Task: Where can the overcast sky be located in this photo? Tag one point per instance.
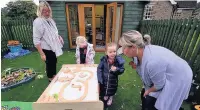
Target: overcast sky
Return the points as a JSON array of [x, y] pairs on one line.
[[4, 2]]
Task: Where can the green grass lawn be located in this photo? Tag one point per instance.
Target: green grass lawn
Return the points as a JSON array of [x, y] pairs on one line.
[[128, 94]]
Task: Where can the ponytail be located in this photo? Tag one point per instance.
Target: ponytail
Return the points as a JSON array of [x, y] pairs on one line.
[[147, 39]]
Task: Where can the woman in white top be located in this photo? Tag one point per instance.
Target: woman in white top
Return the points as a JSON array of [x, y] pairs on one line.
[[46, 39]]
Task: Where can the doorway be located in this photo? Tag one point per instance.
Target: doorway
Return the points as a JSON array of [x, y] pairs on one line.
[[99, 23]]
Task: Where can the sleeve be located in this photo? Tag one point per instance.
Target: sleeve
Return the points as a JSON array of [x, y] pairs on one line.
[[92, 52], [157, 74], [37, 32], [120, 68], [100, 72], [77, 55]]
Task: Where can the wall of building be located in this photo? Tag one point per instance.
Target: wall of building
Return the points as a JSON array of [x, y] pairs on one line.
[[162, 10], [132, 15], [186, 14], [59, 15]]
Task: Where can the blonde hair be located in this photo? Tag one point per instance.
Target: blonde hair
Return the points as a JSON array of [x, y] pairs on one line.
[[110, 45], [40, 8], [147, 39], [80, 39], [134, 37]]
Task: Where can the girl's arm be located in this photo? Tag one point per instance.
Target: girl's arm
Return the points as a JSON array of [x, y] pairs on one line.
[[120, 68], [100, 73], [92, 53], [77, 55]]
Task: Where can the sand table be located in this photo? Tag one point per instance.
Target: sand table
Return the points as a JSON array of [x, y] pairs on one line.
[[74, 83]]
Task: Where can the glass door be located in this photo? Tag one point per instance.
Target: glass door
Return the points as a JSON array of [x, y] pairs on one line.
[[111, 22], [100, 23], [73, 23], [87, 22]]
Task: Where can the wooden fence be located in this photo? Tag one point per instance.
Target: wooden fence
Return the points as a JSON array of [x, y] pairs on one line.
[[180, 36], [20, 30]]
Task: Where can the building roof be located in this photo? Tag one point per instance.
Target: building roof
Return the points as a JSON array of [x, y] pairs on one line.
[[186, 4]]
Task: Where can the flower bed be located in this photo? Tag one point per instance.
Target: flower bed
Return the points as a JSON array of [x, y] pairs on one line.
[[14, 77]]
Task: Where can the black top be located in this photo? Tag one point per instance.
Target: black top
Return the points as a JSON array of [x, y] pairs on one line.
[[82, 55]]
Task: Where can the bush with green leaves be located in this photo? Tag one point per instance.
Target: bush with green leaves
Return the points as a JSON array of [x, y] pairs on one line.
[[19, 9]]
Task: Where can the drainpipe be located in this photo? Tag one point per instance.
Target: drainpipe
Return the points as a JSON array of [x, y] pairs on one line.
[[174, 7]]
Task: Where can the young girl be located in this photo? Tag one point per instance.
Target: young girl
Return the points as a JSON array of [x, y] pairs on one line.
[[84, 51], [108, 70]]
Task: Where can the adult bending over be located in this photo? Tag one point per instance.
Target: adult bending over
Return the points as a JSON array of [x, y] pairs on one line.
[[166, 77]]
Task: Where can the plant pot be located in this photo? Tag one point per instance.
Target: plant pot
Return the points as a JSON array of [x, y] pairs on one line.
[[15, 48]]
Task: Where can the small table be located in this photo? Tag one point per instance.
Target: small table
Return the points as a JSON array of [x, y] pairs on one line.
[[75, 87]]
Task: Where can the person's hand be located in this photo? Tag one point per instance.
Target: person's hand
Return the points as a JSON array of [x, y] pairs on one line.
[[61, 40], [113, 68], [86, 61], [43, 57], [146, 93], [132, 64]]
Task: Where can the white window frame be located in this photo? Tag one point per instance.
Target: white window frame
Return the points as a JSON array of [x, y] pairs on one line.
[[177, 13], [148, 12]]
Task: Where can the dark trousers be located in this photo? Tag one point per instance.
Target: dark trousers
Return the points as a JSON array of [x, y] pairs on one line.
[[148, 102], [51, 61], [101, 96]]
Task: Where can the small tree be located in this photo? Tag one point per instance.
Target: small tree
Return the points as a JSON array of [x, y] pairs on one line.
[[19, 9], [4, 12]]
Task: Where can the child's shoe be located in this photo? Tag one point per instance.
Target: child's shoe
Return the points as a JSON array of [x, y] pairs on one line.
[[105, 97], [110, 101]]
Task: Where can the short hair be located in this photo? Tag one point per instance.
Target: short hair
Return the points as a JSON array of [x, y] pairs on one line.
[[110, 45]]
